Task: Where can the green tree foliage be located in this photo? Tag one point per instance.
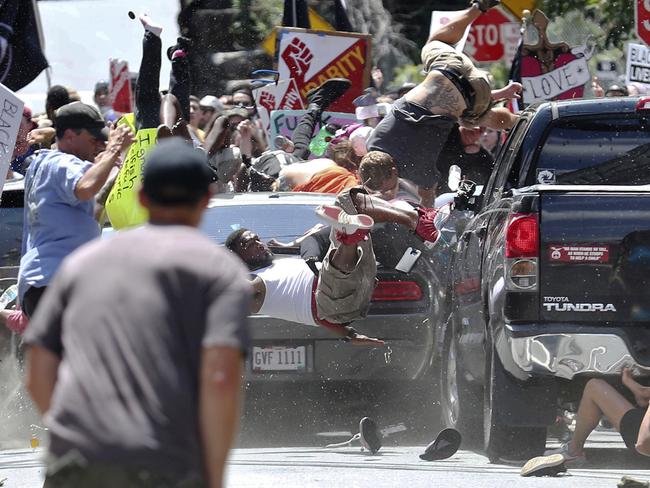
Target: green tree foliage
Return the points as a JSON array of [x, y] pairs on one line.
[[616, 17]]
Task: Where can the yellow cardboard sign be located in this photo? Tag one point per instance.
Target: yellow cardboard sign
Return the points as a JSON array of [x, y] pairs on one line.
[[315, 21], [517, 7], [122, 205]]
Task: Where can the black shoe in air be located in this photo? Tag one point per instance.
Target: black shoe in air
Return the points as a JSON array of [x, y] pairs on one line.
[[182, 43], [370, 436], [327, 93], [444, 446]]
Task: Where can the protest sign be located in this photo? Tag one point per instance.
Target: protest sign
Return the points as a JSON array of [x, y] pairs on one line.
[[283, 122], [638, 64], [11, 113], [311, 57], [122, 206], [283, 95], [553, 71], [120, 89]]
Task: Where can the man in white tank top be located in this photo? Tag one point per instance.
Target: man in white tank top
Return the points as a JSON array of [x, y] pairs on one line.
[[289, 290]]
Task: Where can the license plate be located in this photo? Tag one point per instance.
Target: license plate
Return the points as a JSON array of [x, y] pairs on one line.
[[279, 358]]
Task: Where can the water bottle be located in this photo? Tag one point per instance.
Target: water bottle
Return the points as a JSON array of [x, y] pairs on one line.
[[319, 144], [8, 296]]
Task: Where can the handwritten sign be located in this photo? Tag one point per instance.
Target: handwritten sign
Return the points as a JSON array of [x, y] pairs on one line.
[[312, 57], [283, 95], [11, 113], [122, 206], [283, 122]]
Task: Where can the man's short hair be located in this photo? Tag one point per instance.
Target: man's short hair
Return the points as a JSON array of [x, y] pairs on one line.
[[234, 239], [375, 168]]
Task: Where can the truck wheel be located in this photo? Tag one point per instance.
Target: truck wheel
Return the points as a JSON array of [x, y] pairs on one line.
[[461, 406], [500, 439]]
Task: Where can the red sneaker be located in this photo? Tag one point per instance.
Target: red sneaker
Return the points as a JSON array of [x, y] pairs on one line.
[[430, 222]]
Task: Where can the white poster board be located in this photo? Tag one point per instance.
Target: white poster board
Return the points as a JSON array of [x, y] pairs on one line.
[[638, 64], [11, 113]]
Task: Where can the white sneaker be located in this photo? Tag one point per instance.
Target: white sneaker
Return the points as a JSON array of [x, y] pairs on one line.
[[569, 459], [343, 221]]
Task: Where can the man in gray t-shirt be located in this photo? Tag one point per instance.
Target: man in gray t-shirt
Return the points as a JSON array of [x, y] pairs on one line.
[[136, 348]]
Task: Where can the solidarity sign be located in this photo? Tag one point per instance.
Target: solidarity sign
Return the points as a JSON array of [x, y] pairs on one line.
[[310, 57]]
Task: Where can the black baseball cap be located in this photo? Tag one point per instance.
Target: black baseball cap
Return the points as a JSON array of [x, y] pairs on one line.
[[78, 115], [175, 173]]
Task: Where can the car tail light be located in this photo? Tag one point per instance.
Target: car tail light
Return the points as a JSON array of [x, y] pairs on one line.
[[643, 104], [522, 236], [389, 291]]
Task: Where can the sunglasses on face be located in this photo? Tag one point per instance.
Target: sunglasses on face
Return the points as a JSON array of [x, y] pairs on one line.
[[244, 105]]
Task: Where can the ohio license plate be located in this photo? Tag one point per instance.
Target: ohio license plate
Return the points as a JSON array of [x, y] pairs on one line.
[[279, 358]]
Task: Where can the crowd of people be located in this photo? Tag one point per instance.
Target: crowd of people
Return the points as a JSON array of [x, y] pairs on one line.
[[113, 381]]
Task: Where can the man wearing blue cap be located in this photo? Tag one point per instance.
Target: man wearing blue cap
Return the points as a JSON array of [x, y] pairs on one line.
[[136, 351]]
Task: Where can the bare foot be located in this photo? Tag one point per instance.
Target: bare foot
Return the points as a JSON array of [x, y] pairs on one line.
[[150, 25]]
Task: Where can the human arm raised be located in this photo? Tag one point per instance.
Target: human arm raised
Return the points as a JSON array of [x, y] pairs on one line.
[[119, 139]]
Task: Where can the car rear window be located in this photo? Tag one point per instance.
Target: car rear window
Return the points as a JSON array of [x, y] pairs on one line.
[[282, 222], [614, 151]]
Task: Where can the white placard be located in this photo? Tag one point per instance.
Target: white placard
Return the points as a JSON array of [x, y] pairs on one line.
[[551, 84], [11, 113], [638, 64]]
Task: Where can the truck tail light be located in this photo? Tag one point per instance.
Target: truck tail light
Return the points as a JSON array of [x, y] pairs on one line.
[[522, 251], [522, 236], [643, 104], [390, 291]]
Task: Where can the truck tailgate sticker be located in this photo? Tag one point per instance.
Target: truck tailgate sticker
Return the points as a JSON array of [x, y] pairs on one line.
[[584, 253], [545, 176]]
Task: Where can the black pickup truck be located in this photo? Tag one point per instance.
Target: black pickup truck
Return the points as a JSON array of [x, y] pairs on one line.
[[551, 272]]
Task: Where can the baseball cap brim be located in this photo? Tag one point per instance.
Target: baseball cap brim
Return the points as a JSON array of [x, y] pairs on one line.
[[99, 133]]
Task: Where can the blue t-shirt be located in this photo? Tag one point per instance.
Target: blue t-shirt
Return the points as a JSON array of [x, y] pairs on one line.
[[56, 221]]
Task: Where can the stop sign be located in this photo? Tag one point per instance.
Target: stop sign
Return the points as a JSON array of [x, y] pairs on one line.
[[490, 36], [643, 20]]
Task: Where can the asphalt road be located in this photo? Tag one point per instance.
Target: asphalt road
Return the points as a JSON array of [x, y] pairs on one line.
[[393, 466], [285, 430]]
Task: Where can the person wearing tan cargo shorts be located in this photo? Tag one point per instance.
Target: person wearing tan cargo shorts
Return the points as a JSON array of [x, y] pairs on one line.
[[454, 92], [341, 293]]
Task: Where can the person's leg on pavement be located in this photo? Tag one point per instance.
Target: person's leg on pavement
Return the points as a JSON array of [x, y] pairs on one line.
[[599, 398], [319, 99], [147, 96]]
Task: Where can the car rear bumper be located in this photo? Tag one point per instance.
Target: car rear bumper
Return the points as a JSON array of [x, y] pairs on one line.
[[565, 354], [405, 356]]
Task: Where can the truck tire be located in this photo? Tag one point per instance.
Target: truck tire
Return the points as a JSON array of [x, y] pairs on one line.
[[500, 440], [461, 404]]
